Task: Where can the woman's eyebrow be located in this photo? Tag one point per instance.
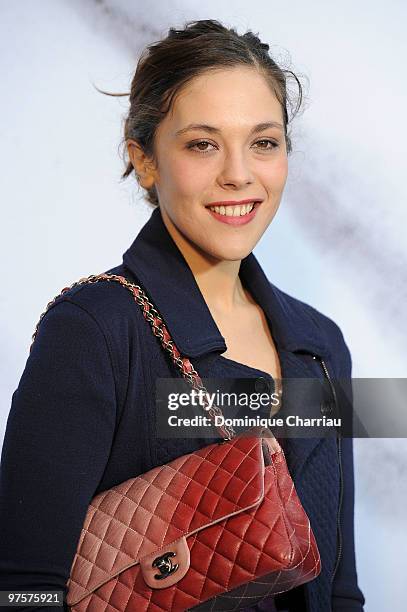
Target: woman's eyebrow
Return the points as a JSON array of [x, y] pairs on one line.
[[259, 127]]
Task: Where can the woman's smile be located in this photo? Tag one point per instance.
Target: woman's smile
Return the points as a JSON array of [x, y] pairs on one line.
[[234, 214]]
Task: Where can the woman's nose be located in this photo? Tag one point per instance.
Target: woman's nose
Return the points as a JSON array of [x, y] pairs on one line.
[[235, 171]]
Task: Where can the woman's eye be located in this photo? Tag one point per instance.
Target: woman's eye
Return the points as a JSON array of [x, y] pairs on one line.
[[196, 144], [267, 141]]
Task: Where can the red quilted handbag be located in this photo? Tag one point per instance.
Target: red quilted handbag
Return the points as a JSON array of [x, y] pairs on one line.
[[218, 529]]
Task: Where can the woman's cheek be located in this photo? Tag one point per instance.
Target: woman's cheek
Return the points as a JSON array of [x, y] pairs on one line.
[[186, 178], [279, 171]]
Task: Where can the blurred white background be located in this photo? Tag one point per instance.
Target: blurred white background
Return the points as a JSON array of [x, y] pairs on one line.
[[65, 213]]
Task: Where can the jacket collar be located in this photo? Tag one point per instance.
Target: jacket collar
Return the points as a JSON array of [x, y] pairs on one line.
[[162, 271]]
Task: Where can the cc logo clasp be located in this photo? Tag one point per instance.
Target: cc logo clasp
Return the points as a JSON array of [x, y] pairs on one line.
[[165, 565]]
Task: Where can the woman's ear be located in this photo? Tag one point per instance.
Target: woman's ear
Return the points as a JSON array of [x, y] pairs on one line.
[[143, 166]]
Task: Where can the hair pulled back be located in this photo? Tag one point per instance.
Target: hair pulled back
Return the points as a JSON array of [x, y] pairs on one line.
[[167, 65]]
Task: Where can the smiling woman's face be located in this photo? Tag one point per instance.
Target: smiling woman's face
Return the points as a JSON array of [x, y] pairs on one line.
[[240, 155]]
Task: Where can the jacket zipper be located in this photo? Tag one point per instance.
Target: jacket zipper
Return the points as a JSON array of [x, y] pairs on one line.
[[339, 448]]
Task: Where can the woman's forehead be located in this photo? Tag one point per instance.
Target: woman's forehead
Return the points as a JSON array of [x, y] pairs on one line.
[[223, 104]]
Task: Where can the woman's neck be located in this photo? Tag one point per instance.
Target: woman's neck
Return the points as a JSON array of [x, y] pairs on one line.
[[218, 280]]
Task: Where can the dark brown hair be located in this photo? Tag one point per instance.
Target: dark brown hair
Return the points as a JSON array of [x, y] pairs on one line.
[[165, 66]]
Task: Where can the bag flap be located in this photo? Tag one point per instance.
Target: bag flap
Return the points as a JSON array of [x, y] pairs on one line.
[[144, 514]]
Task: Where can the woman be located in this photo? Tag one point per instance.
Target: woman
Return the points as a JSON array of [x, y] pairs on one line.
[[207, 139]]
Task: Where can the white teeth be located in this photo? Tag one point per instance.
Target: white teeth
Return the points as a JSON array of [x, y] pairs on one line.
[[233, 211]]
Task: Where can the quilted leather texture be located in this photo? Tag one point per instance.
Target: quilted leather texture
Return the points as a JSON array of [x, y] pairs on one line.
[[235, 504]]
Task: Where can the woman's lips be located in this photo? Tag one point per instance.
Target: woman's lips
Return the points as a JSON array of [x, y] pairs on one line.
[[242, 220]]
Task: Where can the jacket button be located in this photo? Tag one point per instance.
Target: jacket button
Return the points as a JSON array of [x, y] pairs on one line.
[[262, 385], [326, 407]]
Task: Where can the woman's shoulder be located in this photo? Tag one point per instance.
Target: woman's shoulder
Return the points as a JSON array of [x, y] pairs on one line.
[[99, 294], [110, 303], [87, 314], [91, 323]]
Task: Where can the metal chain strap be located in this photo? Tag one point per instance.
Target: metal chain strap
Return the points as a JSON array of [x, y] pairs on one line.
[[159, 329]]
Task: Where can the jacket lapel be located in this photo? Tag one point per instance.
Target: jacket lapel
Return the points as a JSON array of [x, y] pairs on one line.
[[159, 266]]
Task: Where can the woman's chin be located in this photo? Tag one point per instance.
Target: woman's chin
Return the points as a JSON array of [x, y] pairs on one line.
[[230, 252]]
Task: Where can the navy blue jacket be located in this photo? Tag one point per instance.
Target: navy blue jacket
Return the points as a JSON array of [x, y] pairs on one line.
[[83, 416]]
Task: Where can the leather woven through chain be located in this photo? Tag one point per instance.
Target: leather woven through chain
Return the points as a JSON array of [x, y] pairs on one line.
[[159, 329]]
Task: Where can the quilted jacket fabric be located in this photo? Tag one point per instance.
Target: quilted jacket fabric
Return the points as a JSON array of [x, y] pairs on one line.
[[82, 418]]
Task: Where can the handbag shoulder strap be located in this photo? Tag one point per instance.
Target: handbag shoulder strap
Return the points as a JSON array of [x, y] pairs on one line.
[[159, 329]]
